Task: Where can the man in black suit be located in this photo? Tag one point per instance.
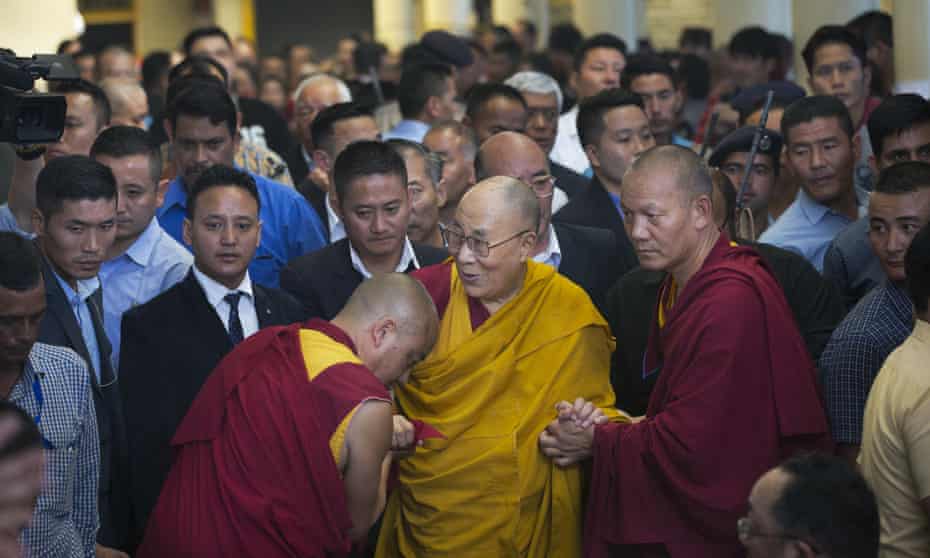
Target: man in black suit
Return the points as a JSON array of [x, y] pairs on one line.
[[75, 224], [311, 96], [370, 181], [590, 257], [332, 130], [614, 130], [631, 302], [172, 343]]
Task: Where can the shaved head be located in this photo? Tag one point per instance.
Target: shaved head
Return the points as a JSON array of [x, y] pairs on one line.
[[394, 295], [693, 177], [507, 152], [128, 101], [508, 199]]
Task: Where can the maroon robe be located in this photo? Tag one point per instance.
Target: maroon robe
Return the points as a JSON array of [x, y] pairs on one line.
[[253, 473], [737, 394]]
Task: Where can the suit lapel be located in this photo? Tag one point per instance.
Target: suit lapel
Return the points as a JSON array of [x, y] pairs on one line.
[[263, 307], [60, 308], [204, 320]]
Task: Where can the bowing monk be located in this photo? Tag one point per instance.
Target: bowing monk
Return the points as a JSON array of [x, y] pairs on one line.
[[282, 452], [736, 392], [515, 338]]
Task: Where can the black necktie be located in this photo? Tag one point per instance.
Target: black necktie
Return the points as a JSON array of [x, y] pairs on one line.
[[235, 326]]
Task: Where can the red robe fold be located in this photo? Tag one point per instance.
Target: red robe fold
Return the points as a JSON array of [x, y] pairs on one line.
[[737, 394], [253, 473]]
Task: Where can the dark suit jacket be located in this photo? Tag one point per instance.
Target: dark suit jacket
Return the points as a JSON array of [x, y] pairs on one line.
[[324, 280], [568, 180], [169, 347], [594, 208], [815, 303], [296, 163], [590, 259], [316, 196], [60, 327]]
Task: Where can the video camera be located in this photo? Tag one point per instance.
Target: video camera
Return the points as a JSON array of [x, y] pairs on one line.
[[25, 116]]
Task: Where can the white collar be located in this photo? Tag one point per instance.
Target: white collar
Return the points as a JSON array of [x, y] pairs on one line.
[[215, 291], [406, 258], [337, 231], [552, 255]]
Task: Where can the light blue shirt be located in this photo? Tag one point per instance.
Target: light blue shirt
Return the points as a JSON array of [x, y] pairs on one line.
[[552, 255], [8, 222], [807, 227], [412, 130], [616, 199], [290, 227], [683, 142], [151, 265], [79, 306]]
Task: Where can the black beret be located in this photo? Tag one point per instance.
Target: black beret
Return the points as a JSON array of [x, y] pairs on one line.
[[448, 48], [740, 141]]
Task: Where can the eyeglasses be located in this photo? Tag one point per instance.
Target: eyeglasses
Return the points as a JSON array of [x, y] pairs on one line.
[[542, 185], [481, 248], [745, 530]]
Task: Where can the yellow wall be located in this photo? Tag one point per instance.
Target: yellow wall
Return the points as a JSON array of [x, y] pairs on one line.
[[36, 26]]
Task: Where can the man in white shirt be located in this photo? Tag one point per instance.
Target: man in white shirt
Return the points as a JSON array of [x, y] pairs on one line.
[[598, 64]]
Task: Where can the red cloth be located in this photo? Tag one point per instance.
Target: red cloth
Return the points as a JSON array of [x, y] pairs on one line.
[[737, 394], [253, 473], [438, 283]]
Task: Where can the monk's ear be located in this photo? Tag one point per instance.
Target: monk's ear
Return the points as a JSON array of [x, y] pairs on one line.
[[703, 210], [382, 332], [527, 245]]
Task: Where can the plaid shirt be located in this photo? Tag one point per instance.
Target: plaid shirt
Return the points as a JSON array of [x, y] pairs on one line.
[[64, 523], [875, 327]]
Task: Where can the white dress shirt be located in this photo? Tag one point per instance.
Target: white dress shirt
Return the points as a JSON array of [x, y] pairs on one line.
[[216, 292], [407, 258], [552, 255], [567, 149], [337, 230]]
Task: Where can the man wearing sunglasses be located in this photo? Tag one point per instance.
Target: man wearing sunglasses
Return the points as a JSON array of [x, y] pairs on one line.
[[52, 385], [515, 337]]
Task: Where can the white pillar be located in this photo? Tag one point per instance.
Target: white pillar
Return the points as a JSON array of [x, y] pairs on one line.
[[911, 47], [810, 14], [37, 26], [395, 23], [623, 18], [455, 16], [732, 15]]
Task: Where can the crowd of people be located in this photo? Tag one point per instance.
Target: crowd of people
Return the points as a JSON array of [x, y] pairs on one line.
[[472, 299]]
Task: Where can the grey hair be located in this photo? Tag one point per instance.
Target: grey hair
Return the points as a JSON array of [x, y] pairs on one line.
[[345, 96], [433, 162], [536, 82]]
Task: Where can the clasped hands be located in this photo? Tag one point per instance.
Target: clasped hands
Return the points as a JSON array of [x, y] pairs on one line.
[[568, 439], [402, 443]]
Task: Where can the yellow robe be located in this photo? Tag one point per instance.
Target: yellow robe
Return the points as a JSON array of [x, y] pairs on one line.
[[486, 489]]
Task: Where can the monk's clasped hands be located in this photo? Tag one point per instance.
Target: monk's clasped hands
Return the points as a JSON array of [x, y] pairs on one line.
[[568, 439]]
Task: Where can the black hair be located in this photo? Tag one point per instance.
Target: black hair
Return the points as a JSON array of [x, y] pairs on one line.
[[601, 40], [420, 82], [529, 26], [365, 158], [592, 110], [698, 36], [65, 44], [565, 37], [511, 49], [323, 126], [694, 72], [873, 27], [202, 33], [72, 178], [807, 109], [828, 504], [833, 34], [217, 176], [101, 103], [481, 93], [368, 55], [198, 66], [203, 98], [642, 65], [753, 42], [20, 267], [154, 66], [895, 115], [432, 162], [125, 141], [917, 269], [903, 178]]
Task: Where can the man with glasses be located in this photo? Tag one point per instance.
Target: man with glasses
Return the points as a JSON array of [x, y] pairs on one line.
[[811, 505], [52, 385], [731, 156], [589, 257], [515, 338]]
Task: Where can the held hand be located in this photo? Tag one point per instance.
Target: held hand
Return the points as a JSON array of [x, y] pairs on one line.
[[404, 436], [566, 442], [582, 413]]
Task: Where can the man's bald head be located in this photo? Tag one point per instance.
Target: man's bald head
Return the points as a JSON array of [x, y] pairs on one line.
[[128, 102], [506, 152], [507, 198], [398, 296], [692, 176]]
